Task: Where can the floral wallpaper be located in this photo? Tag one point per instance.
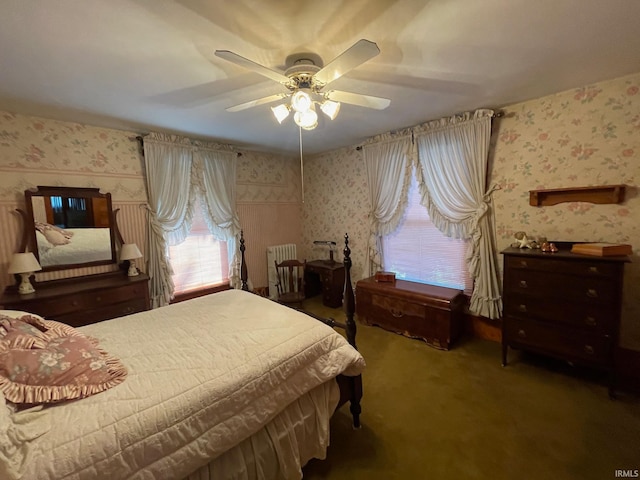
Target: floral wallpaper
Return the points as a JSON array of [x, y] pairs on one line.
[[336, 202], [583, 137], [267, 177], [37, 151]]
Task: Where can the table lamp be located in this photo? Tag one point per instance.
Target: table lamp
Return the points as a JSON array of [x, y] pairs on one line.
[[130, 252], [24, 264]]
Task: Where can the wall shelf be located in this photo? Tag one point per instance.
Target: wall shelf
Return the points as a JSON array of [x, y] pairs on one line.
[[597, 194]]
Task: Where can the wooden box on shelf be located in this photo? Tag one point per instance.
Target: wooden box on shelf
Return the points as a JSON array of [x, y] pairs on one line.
[[389, 277]]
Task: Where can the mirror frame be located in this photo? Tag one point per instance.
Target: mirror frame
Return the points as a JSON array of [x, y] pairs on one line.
[[29, 235]]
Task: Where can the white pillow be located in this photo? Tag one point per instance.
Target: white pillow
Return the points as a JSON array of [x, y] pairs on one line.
[[55, 237]]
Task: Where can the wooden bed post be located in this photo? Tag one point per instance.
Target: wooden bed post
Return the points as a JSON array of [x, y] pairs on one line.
[[349, 301], [355, 383], [243, 265]]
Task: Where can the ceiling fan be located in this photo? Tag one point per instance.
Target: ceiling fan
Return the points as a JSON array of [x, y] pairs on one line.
[[306, 80]]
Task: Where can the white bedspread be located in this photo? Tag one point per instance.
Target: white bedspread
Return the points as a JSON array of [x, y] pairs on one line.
[[203, 376]]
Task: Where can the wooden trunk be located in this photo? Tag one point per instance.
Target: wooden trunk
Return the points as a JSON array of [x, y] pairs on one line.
[[416, 310]]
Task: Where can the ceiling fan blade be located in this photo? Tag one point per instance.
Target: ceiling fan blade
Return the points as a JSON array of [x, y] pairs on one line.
[[356, 55], [251, 65], [255, 103], [368, 101]]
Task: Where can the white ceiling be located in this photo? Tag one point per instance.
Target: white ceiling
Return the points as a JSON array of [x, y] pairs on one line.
[[149, 65]]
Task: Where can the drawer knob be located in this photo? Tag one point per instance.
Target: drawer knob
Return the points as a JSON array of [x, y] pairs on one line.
[[593, 269], [523, 284], [396, 313], [522, 333], [74, 303], [98, 299], [590, 321], [592, 293], [522, 308], [589, 349], [523, 263]]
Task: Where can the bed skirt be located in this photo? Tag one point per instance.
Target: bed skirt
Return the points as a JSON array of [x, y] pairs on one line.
[[280, 449]]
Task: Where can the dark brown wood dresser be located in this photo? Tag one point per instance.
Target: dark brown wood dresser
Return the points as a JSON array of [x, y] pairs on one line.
[[83, 300], [429, 312], [563, 305]]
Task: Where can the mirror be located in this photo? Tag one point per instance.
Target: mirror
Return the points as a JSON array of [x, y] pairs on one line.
[[70, 227]]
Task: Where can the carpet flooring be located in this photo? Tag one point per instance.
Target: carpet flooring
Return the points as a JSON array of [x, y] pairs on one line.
[[458, 414]]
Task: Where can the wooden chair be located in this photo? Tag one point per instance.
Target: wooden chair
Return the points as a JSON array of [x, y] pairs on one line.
[[290, 282]]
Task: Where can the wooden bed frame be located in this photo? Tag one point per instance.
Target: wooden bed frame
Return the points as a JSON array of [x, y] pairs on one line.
[[350, 387]]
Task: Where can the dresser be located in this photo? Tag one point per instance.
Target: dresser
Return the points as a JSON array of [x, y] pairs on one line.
[[564, 305], [83, 300], [327, 277], [428, 312]]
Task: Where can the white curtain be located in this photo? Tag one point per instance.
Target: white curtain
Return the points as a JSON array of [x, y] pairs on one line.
[[388, 166], [452, 156], [177, 172], [215, 178], [168, 177]]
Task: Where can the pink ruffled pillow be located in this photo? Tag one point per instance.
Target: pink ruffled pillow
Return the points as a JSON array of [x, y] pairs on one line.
[[60, 364]]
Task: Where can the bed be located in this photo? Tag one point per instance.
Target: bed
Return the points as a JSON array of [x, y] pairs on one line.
[[230, 385], [83, 245]]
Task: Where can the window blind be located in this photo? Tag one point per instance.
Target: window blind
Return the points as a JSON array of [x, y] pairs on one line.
[[201, 260], [418, 251]]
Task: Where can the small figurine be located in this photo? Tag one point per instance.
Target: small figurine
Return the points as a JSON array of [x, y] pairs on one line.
[[549, 247], [522, 241]]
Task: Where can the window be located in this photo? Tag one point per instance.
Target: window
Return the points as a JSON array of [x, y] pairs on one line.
[[201, 261], [418, 251]]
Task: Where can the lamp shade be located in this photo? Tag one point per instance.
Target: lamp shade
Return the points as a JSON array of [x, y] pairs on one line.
[[280, 112], [307, 120], [24, 263], [301, 101], [129, 251], [330, 109]]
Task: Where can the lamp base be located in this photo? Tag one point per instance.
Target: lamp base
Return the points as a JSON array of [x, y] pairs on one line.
[[25, 286], [133, 271]]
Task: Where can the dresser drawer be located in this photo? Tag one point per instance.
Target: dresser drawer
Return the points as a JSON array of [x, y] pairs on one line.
[[87, 317], [592, 318], [594, 290], [588, 268], [57, 306], [559, 341], [83, 300]]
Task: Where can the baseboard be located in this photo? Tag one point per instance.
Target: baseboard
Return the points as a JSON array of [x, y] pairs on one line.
[[481, 327], [628, 369]]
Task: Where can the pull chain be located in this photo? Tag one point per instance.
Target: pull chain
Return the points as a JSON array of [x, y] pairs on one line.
[[301, 165]]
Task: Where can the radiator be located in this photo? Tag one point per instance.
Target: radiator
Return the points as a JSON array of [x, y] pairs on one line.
[[278, 253]]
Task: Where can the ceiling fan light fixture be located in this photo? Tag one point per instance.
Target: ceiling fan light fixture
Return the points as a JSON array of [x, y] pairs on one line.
[[280, 112], [307, 120], [330, 108], [301, 101]]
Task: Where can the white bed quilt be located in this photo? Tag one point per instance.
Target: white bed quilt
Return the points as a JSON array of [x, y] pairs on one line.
[[203, 375]]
